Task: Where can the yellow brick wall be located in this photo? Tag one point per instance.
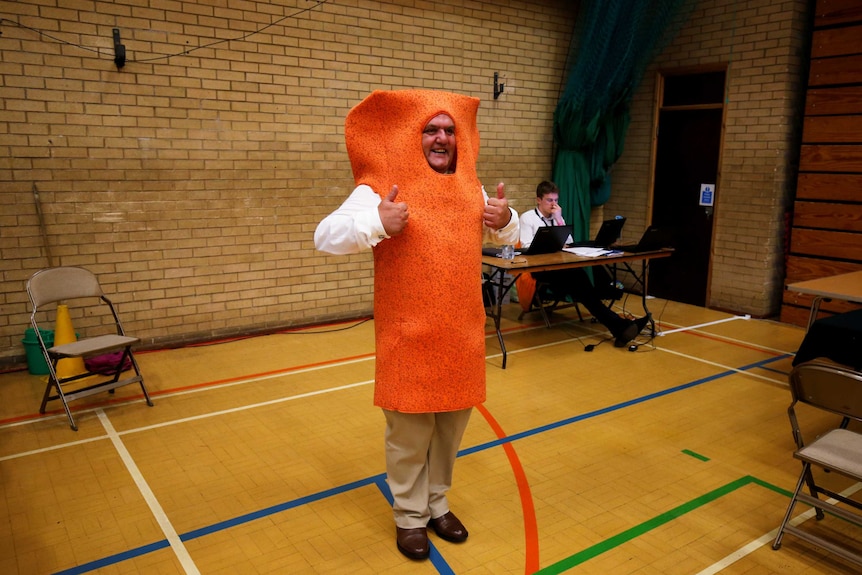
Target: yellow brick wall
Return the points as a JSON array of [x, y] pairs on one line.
[[192, 179], [763, 44]]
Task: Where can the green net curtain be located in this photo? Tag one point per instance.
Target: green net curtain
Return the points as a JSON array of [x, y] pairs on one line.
[[613, 43]]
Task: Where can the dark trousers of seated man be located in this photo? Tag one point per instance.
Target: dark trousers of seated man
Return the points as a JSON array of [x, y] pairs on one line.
[[576, 283]]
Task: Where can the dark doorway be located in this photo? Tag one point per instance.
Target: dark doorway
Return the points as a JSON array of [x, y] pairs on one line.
[[687, 157]]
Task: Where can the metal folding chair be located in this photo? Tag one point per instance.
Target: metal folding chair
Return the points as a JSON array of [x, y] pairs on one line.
[[61, 284], [835, 388]]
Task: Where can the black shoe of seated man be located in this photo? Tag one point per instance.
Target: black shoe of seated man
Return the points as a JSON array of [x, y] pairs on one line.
[[449, 527], [413, 542], [631, 331]]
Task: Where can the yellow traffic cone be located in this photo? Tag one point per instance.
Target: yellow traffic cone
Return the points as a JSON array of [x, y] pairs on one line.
[[65, 333]]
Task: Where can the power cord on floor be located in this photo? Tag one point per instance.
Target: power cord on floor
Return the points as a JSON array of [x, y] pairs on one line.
[[591, 346], [650, 340]]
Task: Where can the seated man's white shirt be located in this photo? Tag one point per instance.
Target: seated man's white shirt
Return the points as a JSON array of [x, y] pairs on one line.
[[530, 222]]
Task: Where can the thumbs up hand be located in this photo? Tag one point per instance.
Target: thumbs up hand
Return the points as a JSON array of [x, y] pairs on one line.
[[393, 215], [497, 213]]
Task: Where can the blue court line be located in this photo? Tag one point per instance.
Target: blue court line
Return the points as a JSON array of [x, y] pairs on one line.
[[612, 408], [267, 511], [114, 559], [379, 480], [783, 372]]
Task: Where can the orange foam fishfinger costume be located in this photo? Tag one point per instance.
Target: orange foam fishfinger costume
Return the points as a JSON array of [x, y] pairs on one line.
[[428, 311]]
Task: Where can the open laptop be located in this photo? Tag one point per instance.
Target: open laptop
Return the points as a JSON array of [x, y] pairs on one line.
[[609, 233], [654, 238], [549, 239]]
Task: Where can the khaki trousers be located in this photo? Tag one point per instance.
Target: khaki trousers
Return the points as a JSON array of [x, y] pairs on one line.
[[420, 455]]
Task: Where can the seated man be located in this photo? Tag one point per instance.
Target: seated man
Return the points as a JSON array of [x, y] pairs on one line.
[[573, 282]]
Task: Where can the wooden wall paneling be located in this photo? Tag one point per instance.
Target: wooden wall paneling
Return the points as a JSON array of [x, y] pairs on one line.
[[828, 215], [794, 315], [833, 187], [827, 243], [796, 311], [826, 228], [794, 299], [832, 129], [837, 42], [795, 306], [840, 70], [831, 101], [826, 158], [832, 12], [801, 268]]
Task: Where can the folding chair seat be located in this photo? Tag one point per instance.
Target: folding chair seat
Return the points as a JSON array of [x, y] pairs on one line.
[[62, 284], [834, 388]]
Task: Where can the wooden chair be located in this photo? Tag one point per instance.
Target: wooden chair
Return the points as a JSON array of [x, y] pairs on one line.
[[60, 284], [835, 388]]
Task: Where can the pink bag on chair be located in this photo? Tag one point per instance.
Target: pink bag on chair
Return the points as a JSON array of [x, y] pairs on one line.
[[107, 364]]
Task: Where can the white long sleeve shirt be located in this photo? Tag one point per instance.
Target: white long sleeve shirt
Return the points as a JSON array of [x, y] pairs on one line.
[[356, 225]]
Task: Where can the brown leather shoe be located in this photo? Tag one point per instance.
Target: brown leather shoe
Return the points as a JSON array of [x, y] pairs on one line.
[[449, 528], [412, 542]]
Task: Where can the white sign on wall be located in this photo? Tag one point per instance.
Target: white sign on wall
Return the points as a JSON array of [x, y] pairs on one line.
[[707, 194]]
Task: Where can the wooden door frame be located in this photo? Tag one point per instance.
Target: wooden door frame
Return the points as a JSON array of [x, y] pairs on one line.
[[661, 74]]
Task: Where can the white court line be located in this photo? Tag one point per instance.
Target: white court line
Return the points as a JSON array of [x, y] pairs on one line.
[[246, 407], [153, 503], [707, 324], [51, 448], [766, 538], [99, 410], [724, 337], [685, 355], [252, 379], [321, 367], [282, 373], [180, 550], [726, 367], [285, 372]]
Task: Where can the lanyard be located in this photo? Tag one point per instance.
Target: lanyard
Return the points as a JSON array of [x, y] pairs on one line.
[[544, 220]]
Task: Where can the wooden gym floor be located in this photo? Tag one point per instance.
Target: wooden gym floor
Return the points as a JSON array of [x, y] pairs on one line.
[[265, 455]]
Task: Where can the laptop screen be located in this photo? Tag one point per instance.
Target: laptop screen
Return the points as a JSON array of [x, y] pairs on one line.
[[610, 232], [549, 239], [655, 238]]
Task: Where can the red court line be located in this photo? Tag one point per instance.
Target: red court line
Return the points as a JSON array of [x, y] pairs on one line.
[[108, 402], [531, 530], [261, 374], [202, 385], [725, 341]]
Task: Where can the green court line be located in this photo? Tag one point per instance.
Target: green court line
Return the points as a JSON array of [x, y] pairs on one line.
[[695, 455], [649, 525]]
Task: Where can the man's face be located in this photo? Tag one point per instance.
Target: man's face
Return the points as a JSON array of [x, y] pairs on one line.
[[547, 203], [438, 143]]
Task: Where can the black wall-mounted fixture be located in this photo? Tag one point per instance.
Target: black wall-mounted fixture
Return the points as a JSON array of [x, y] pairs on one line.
[[119, 50], [498, 88]]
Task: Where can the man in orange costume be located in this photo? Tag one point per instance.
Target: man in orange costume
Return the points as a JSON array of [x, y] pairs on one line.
[[419, 204]]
